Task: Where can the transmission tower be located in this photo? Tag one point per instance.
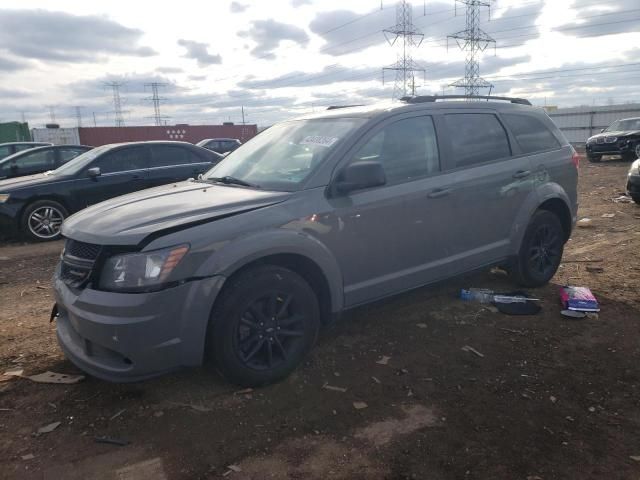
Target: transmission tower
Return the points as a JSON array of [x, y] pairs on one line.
[[117, 103], [405, 34], [156, 99], [52, 113], [474, 40], [78, 115]]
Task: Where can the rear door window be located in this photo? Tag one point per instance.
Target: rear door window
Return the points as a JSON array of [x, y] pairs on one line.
[[40, 160], [531, 134], [407, 149], [122, 160], [170, 155], [5, 151], [476, 138]]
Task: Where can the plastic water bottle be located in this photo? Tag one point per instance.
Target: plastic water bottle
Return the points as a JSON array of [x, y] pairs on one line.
[[480, 295]]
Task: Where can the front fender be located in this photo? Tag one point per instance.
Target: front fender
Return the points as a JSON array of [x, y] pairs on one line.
[[244, 250], [537, 197]]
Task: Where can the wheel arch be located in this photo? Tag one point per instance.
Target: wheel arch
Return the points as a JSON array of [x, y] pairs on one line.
[[297, 251]]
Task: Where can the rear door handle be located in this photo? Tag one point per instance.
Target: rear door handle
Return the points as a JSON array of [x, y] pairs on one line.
[[440, 192], [522, 174]]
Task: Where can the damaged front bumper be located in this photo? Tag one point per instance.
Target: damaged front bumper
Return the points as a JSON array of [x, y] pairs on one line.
[[125, 337]]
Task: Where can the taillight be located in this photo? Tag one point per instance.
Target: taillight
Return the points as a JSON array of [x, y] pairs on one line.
[[575, 158]]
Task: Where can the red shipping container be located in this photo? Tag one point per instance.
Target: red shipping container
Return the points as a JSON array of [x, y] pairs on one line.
[[97, 136]]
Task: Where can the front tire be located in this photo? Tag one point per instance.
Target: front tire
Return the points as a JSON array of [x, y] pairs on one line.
[[540, 252], [636, 198], [41, 221], [263, 325]]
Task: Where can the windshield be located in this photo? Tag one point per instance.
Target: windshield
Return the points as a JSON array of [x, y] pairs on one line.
[[283, 156], [74, 165], [624, 125]]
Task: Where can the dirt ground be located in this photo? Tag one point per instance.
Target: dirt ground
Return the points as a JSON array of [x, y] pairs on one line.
[[548, 398]]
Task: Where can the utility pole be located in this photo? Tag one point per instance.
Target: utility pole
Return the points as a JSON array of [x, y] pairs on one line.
[[78, 115], [22, 117], [95, 124], [117, 103], [410, 37], [475, 41], [156, 100], [243, 122]]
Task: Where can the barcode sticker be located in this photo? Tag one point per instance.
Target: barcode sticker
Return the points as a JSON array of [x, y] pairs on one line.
[[319, 140]]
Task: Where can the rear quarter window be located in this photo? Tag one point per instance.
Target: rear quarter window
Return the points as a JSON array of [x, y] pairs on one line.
[[531, 133]]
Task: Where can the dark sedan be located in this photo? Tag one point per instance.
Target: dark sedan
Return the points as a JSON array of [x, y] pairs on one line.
[[37, 205], [10, 148], [620, 139], [39, 159]]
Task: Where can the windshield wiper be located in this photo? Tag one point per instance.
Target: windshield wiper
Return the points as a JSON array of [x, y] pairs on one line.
[[232, 181]]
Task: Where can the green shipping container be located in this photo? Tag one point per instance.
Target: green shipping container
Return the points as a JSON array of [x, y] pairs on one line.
[[14, 132]]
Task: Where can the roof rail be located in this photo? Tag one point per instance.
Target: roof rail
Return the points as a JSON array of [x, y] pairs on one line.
[[335, 107], [434, 98]]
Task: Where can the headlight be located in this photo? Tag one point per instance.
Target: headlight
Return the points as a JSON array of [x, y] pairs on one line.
[[138, 271], [635, 168], [4, 197]]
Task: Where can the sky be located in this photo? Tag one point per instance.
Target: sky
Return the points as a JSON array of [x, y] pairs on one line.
[[279, 59]]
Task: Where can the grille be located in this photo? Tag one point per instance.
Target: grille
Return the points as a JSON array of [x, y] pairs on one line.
[[73, 275], [77, 262], [610, 139], [86, 251]]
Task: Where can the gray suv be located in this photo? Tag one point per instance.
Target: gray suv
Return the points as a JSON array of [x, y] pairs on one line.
[[239, 268]]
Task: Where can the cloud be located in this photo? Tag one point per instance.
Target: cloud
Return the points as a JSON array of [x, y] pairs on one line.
[[198, 51], [299, 3], [328, 75], [595, 20], [8, 65], [169, 70], [237, 7], [59, 36], [197, 78], [268, 34]]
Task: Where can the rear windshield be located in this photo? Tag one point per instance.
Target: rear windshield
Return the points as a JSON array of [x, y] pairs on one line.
[[74, 165]]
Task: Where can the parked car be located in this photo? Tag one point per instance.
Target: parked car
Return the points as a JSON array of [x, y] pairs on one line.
[[39, 159], [621, 138], [37, 205], [314, 216], [10, 148], [633, 181], [220, 145]]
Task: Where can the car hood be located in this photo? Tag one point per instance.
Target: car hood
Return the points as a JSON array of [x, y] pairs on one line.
[[625, 133], [129, 219], [10, 184]]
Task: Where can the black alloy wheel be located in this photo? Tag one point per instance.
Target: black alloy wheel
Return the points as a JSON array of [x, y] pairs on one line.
[[263, 324], [269, 331], [540, 252]]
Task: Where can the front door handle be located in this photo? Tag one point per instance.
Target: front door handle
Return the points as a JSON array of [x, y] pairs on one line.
[[440, 192], [522, 174]]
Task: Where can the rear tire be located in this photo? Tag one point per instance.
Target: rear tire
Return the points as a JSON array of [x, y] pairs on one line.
[[41, 220], [594, 158], [636, 198], [263, 325], [540, 252]]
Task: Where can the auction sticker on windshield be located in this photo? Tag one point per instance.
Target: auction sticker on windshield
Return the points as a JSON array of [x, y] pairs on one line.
[[319, 140]]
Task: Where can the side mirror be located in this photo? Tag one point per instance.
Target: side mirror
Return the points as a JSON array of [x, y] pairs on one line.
[[359, 175], [602, 130], [93, 172]]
